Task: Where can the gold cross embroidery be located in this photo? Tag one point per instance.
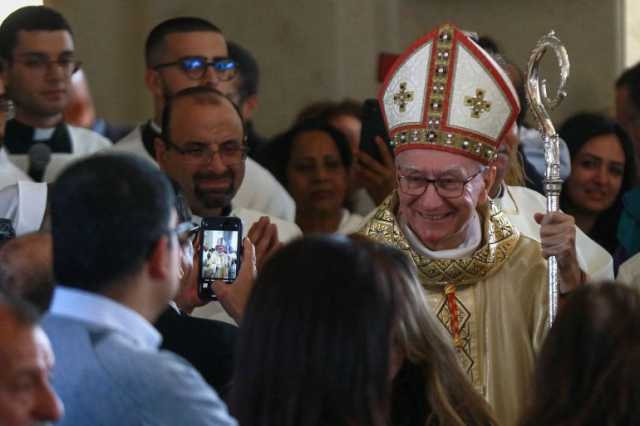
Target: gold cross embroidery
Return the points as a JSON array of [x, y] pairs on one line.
[[477, 104], [402, 97]]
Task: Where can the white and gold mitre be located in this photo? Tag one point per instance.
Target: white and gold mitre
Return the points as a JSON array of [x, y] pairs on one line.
[[446, 93]]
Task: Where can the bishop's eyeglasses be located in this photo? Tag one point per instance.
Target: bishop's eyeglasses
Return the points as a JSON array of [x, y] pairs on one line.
[[446, 187], [195, 67]]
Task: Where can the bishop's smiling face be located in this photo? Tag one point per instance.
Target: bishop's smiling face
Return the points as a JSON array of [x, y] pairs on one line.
[[441, 223]]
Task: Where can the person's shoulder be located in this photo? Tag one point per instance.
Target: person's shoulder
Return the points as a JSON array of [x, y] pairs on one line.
[[131, 141], [86, 141], [286, 230], [526, 197], [174, 391]]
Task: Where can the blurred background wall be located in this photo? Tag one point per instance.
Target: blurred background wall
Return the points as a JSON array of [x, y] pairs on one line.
[[310, 50]]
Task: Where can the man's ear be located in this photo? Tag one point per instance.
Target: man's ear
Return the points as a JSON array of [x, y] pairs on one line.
[[249, 106], [158, 261], [160, 149], [489, 177], [153, 82]]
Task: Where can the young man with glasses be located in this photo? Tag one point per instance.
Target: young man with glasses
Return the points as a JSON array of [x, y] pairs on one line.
[[185, 52], [447, 107], [116, 258], [37, 50]]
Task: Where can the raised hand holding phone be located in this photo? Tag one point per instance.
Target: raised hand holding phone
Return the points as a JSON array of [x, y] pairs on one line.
[[378, 178], [233, 298]]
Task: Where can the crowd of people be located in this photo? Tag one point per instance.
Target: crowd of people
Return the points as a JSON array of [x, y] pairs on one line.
[[392, 270]]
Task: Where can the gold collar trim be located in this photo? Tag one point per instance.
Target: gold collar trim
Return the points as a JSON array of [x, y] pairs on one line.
[[499, 238]]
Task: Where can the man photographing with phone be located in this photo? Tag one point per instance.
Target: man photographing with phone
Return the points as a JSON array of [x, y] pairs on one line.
[[202, 147]]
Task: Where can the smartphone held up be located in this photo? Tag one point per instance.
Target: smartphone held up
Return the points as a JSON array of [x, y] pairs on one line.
[[220, 253]]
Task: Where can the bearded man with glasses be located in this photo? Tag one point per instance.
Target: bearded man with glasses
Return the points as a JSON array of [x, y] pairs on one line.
[[447, 107], [37, 50], [186, 52]]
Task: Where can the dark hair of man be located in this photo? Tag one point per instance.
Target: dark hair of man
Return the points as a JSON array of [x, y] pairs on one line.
[[22, 311], [576, 131], [24, 278], [185, 24], [630, 79], [329, 110], [202, 95], [278, 151], [314, 347], [29, 18], [107, 213], [587, 372], [248, 75]]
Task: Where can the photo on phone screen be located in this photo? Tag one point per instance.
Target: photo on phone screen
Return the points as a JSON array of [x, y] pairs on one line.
[[219, 253]]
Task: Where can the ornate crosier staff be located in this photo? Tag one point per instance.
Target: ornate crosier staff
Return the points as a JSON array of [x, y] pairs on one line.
[[540, 102]]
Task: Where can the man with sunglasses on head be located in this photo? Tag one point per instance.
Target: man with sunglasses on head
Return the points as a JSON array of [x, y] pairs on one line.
[[37, 50], [186, 52]]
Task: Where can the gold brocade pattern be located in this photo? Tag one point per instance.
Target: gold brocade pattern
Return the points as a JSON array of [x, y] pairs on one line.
[[499, 240], [446, 278]]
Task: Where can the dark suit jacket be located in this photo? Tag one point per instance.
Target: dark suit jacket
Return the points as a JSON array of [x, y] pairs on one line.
[[208, 345]]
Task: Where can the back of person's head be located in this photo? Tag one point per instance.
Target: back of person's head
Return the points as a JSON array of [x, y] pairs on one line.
[[28, 18], [184, 24], [26, 268], [630, 80], [248, 72], [450, 397], [316, 337], [201, 95], [279, 149], [329, 110], [107, 212], [587, 371]]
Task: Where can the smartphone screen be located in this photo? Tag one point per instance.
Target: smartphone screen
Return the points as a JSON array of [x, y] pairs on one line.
[[219, 253]]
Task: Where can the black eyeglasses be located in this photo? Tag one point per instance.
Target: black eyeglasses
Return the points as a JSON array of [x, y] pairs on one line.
[[231, 153], [184, 231], [195, 67], [446, 187]]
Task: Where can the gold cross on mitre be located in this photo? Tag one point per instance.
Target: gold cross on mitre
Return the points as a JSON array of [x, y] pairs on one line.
[[402, 97], [477, 104]]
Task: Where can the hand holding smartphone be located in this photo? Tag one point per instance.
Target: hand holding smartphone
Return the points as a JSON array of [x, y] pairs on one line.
[[220, 253]]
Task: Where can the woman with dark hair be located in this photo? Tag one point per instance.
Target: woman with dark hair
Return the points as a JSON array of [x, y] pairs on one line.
[[603, 168], [321, 348], [312, 160], [587, 372]]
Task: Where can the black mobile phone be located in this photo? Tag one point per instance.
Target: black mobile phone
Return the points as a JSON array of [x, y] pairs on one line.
[[220, 253], [372, 126]]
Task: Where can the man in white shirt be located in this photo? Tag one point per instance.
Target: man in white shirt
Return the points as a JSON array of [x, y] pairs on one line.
[[185, 52], [37, 48], [203, 149], [116, 256]]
